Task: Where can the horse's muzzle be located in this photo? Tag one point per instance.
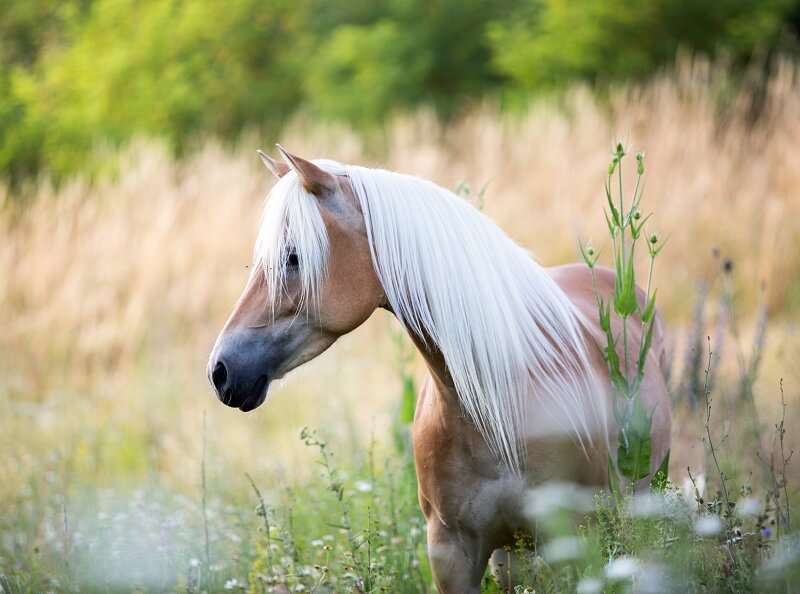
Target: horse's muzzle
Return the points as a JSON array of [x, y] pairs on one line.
[[240, 373]]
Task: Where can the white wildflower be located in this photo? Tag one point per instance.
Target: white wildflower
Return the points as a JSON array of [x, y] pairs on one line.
[[748, 507], [707, 525], [589, 586], [363, 486], [654, 579], [622, 568], [549, 498], [648, 505], [562, 548], [785, 555]]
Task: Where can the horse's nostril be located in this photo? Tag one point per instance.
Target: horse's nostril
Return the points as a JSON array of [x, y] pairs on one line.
[[219, 376]]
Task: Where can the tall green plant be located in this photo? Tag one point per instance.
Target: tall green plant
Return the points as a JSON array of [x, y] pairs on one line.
[[626, 368]]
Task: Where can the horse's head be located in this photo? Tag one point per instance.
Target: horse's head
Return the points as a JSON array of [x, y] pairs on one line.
[[312, 282]]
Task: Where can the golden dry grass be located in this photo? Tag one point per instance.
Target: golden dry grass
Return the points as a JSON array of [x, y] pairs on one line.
[[111, 293]]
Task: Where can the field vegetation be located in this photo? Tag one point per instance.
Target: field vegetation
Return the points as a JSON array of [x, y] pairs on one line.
[[120, 472], [80, 76]]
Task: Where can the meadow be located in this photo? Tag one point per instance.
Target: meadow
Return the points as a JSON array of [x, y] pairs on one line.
[[120, 471]]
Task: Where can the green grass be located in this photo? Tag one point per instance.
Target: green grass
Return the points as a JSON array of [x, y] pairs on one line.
[[353, 524]]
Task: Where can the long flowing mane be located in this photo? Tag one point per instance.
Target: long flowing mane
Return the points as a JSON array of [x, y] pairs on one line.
[[455, 279]]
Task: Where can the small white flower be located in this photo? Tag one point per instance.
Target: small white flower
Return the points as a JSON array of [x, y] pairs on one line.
[[194, 562], [785, 556], [317, 543], [622, 568], [655, 579], [589, 586], [749, 506], [549, 498], [707, 525], [648, 505], [562, 548], [363, 486], [299, 588], [232, 583]]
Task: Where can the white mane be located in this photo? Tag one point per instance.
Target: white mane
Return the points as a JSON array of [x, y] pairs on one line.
[[504, 327]]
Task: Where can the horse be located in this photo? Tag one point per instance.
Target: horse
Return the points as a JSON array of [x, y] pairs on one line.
[[516, 393]]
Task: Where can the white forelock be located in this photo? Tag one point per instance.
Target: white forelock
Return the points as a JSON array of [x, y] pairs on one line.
[[507, 332]]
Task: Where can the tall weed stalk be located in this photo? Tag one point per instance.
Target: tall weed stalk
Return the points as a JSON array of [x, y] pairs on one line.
[[626, 368]]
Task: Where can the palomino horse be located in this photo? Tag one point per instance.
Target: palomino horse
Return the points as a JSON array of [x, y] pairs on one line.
[[517, 391]]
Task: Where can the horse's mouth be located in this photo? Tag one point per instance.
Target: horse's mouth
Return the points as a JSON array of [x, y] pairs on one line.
[[257, 395], [252, 400]]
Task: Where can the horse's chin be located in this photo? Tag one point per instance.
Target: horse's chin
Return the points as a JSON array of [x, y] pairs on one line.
[[257, 395]]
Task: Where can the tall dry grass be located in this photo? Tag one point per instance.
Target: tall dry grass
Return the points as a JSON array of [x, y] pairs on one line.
[[111, 293]]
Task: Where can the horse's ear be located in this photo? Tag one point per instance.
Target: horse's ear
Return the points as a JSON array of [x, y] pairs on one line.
[[314, 179], [278, 168]]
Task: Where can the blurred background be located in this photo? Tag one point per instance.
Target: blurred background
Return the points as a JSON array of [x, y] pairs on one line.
[[130, 196]]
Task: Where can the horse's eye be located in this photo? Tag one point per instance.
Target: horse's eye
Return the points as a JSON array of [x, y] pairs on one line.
[[292, 260]]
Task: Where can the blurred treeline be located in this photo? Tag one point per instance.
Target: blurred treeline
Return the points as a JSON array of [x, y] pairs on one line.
[[78, 75]]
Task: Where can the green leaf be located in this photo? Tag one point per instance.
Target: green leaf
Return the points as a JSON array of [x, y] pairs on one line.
[[604, 315], [615, 216], [633, 461], [625, 301], [659, 480], [651, 307], [648, 339], [613, 479], [610, 225], [408, 400]]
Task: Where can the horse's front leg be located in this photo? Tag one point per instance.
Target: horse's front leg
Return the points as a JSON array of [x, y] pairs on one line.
[[458, 562]]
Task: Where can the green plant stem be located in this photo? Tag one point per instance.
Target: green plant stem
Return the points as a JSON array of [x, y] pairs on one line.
[[263, 508], [205, 507], [653, 318], [707, 427], [622, 221]]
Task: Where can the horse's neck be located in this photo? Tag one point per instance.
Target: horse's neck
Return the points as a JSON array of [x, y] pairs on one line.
[[434, 359]]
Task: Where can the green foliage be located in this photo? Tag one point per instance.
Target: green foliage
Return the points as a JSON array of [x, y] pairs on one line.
[[169, 69], [549, 42], [76, 76], [361, 72]]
